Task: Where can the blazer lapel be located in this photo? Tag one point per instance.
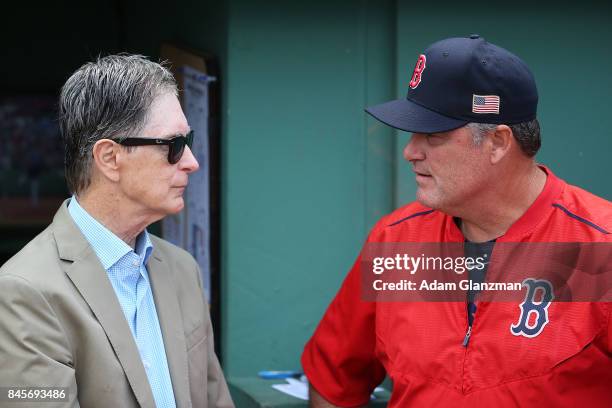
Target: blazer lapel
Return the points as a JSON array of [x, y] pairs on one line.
[[86, 273], [171, 323]]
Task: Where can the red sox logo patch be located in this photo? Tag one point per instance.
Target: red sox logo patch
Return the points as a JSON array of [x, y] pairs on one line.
[[418, 71], [534, 312]]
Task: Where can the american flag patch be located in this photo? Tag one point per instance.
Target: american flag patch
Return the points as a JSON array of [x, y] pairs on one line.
[[485, 104]]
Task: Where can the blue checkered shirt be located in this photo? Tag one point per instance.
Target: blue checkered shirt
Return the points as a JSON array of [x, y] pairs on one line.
[[127, 272]]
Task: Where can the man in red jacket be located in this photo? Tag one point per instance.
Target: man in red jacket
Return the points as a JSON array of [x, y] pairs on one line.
[[471, 108]]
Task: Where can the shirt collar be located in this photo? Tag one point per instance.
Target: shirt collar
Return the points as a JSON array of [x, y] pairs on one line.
[[144, 246], [108, 247]]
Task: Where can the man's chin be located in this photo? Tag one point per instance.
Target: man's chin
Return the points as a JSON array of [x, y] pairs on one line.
[[178, 206], [427, 201]]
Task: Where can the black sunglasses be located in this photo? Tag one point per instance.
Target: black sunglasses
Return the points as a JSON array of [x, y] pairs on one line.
[[177, 144]]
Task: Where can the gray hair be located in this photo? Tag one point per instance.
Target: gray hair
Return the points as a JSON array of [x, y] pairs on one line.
[[527, 134], [107, 98]]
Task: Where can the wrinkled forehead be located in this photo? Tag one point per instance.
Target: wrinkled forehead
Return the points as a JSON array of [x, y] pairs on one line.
[[165, 117]]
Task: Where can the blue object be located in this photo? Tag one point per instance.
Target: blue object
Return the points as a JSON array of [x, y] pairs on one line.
[[279, 375]]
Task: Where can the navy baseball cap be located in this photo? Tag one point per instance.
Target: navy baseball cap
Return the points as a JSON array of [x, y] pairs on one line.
[[461, 80]]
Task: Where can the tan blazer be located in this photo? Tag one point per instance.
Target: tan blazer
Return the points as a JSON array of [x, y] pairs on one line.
[[61, 325]]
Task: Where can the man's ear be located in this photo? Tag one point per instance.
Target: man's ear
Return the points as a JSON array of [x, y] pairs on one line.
[[105, 158], [501, 140]]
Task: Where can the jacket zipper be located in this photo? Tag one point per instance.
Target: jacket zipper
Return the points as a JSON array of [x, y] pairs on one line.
[[465, 343], [468, 333]]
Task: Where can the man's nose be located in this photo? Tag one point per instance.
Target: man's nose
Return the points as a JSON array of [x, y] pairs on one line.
[[413, 151], [188, 162]]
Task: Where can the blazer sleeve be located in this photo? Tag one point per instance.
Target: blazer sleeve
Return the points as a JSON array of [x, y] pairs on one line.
[[34, 350], [218, 392]]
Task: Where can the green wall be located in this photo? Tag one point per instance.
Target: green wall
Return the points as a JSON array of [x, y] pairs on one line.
[[568, 46], [305, 172]]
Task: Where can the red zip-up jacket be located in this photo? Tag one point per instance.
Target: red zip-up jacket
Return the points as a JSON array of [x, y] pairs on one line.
[[419, 344]]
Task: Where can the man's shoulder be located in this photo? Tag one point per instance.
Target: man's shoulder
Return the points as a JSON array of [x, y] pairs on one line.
[[412, 221], [36, 270], [37, 255], [586, 201], [581, 206]]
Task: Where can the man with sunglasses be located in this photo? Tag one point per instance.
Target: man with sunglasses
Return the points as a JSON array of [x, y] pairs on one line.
[[95, 310]]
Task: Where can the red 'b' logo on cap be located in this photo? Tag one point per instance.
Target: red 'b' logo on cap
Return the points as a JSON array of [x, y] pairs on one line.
[[418, 70]]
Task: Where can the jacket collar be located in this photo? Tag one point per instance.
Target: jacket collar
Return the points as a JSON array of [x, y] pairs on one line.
[[527, 222]]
